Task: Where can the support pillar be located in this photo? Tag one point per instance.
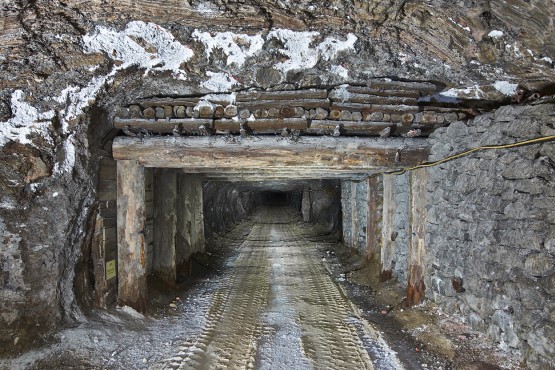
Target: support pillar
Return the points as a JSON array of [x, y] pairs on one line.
[[418, 216], [388, 239], [132, 284], [306, 204], [192, 221], [372, 219], [165, 194], [354, 216]]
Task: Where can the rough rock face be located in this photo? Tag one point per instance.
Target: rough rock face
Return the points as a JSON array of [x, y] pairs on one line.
[[65, 66], [491, 229]]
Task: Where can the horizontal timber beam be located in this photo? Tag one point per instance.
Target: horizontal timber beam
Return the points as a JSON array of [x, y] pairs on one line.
[[266, 154]]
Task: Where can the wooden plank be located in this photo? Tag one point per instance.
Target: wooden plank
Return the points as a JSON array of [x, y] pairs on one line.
[[165, 218], [424, 87], [388, 243], [372, 220], [268, 104], [247, 96], [383, 92], [372, 99], [261, 126], [418, 192], [363, 128], [382, 108], [204, 154], [132, 285], [163, 126]]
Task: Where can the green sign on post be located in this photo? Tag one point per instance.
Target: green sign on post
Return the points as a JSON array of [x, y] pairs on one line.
[[110, 269]]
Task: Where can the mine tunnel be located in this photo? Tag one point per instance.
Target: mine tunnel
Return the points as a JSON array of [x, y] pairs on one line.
[[277, 184]]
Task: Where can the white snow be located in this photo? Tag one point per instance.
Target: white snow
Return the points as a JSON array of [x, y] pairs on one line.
[[467, 92], [131, 312], [66, 165], [331, 46], [219, 81], [299, 52], [26, 120], [77, 98], [547, 59], [495, 34], [340, 71], [164, 52], [233, 45], [505, 87]]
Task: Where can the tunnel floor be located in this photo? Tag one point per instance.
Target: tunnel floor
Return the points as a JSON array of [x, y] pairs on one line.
[[271, 293], [279, 308]]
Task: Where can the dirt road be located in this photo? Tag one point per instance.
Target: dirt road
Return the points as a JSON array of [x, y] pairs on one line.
[[280, 309]]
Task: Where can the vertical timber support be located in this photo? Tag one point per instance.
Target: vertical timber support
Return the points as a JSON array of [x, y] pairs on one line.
[[165, 194], [193, 214], [132, 284], [346, 212], [183, 248], [354, 216], [388, 239], [305, 207], [198, 215], [372, 219], [418, 217]]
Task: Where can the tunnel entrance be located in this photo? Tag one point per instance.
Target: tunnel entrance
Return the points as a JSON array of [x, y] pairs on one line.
[[345, 134]]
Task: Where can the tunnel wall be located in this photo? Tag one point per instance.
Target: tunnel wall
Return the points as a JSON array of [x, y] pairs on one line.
[[491, 229], [224, 206]]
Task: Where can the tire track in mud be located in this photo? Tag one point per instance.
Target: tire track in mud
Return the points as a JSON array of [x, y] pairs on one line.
[[279, 308]]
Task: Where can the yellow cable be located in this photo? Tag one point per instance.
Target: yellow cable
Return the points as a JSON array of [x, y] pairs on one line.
[[470, 151]]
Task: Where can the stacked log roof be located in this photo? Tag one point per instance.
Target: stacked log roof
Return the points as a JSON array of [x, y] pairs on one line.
[[382, 108]]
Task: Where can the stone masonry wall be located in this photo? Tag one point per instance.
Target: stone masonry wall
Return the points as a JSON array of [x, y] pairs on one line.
[[491, 229]]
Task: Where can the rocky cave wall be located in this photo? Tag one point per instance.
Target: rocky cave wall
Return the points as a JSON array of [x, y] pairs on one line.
[[65, 66], [227, 203], [491, 229]]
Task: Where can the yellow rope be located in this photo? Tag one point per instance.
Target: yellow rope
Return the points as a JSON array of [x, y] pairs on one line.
[[470, 151]]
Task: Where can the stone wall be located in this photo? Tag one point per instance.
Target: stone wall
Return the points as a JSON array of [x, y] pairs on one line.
[[491, 229]]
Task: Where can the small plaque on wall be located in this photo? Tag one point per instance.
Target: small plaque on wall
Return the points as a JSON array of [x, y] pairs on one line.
[[110, 269]]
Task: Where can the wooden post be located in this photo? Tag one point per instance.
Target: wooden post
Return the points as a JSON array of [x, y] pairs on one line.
[[418, 216], [165, 193], [372, 220], [132, 284], [388, 243], [354, 216], [183, 247], [198, 215], [305, 206]]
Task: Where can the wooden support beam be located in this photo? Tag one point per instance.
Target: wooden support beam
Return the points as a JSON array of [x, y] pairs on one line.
[[132, 284], [327, 127], [306, 204], [165, 218], [310, 94], [372, 219], [209, 154], [354, 216], [163, 126], [261, 126], [268, 104], [388, 239], [418, 192]]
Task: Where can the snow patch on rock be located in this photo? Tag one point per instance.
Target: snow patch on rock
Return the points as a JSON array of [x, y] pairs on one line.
[[495, 34], [26, 120], [237, 47], [340, 71], [505, 87], [474, 92], [146, 45], [219, 81], [297, 48]]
